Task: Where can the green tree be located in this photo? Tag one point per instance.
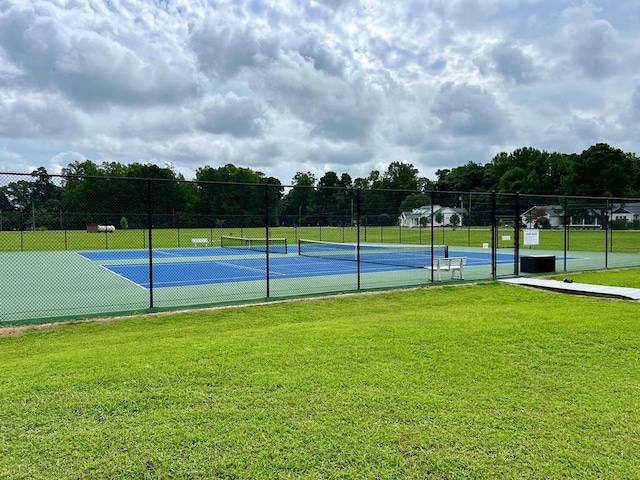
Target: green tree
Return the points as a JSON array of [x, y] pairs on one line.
[[442, 181], [166, 195], [235, 195], [87, 198], [400, 179], [37, 200], [330, 199], [401, 176], [529, 170], [297, 204], [414, 200], [466, 178], [537, 216], [274, 195], [602, 170]]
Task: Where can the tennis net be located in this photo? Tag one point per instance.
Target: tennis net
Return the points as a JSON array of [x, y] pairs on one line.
[[404, 255], [275, 245]]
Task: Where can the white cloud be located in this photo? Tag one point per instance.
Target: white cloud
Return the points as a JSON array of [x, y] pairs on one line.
[[225, 47], [331, 106], [36, 114], [91, 58], [513, 64], [346, 85], [62, 159], [239, 117], [467, 110], [7, 160], [634, 104]]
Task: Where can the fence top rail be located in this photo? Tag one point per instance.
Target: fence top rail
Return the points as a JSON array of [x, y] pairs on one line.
[[427, 193]]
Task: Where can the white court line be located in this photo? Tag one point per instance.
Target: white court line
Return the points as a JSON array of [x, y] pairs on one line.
[[251, 269], [170, 254], [123, 277]]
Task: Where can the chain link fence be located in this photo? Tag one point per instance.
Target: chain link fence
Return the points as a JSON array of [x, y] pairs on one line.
[[74, 247]]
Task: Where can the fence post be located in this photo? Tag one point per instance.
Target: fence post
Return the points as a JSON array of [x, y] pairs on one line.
[[566, 234], [150, 227], [432, 233], [516, 227], [606, 234], [266, 233], [494, 235], [63, 225], [358, 235], [469, 220], [21, 230]]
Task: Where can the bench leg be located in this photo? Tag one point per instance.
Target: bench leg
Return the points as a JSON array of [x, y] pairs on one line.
[[439, 279], [453, 272]]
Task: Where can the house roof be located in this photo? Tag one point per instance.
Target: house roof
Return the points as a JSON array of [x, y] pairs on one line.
[[552, 210], [425, 211], [633, 208]]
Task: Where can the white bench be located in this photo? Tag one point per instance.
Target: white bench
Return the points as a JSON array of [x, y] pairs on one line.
[[200, 241], [453, 265]]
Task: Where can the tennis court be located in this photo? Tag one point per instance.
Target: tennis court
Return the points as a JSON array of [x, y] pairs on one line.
[[67, 284], [183, 267]]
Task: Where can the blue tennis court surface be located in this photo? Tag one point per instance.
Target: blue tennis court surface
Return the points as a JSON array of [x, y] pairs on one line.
[[213, 265], [177, 274], [160, 253]]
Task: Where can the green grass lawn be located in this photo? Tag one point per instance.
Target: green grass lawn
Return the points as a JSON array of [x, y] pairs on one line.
[[620, 241], [484, 381], [629, 277]]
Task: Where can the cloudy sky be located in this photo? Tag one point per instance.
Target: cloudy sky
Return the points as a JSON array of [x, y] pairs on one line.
[[282, 86]]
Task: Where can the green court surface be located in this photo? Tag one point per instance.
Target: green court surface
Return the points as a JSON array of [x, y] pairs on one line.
[[52, 285]]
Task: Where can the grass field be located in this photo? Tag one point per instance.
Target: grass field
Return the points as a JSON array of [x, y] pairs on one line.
[[477, 381], [620, 241], [629, 277]]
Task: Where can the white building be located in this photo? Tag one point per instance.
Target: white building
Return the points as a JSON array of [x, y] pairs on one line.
[[630, 212], [423, 216], [580, 218]]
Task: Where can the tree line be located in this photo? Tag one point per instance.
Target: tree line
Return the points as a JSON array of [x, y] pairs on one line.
[[235, 196]]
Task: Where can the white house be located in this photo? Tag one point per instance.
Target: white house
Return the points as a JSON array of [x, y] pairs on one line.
[[580, 218], [630, 212], [534, 216], [554, 214], [422, 216]]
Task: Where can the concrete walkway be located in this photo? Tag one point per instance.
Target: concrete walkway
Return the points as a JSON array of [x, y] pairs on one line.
[[577, 288]]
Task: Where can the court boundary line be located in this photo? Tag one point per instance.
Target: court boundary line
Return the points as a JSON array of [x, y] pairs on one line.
[[106, 267]]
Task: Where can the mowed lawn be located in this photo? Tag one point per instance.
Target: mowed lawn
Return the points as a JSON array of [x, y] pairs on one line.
[[476, 381]]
